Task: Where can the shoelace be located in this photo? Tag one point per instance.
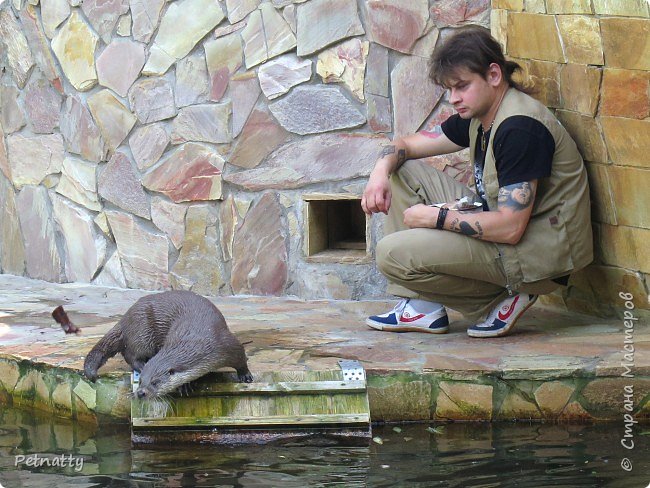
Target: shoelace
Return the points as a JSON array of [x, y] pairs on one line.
[[399, 308]]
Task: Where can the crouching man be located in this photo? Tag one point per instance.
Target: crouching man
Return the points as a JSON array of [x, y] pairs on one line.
[[487, 253]]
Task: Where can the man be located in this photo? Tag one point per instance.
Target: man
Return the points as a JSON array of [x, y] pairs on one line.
[[532, 227]]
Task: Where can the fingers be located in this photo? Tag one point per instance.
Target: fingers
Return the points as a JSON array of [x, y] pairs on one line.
[[375, 203], [364, 206]]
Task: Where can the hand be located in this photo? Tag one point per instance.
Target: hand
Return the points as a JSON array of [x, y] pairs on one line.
[[377, 195], [421, 215]]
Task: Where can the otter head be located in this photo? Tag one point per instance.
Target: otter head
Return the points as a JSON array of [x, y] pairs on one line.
[[164, 373], [160, 377]]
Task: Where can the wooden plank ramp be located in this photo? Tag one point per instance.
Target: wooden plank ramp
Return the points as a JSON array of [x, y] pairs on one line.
[[290, 404]]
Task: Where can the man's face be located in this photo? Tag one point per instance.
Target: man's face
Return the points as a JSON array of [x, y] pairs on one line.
[[470, 94]]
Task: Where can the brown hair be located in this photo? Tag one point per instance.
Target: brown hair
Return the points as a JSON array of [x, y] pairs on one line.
[[471, 47]]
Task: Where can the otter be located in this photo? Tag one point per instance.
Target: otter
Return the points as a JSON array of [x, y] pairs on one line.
[[170, 338]]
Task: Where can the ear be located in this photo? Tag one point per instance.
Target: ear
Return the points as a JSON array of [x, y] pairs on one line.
[[494, 75]]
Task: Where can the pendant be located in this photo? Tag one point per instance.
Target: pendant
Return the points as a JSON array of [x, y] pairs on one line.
[[483, 142]]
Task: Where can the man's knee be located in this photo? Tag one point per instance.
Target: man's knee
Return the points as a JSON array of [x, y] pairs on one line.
[[385, 255]]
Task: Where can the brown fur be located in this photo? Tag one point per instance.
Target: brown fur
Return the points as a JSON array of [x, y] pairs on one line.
[[171, 338]]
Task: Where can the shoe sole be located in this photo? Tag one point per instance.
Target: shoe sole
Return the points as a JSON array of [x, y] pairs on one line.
[[505, 330], [405, 328]]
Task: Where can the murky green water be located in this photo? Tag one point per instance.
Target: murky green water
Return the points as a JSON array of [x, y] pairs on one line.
[[457, 455]]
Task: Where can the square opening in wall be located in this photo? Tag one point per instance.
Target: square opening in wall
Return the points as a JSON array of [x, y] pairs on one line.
[[336, 229]]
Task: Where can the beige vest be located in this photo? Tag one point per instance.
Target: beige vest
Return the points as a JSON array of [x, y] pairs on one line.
[[558, 237]]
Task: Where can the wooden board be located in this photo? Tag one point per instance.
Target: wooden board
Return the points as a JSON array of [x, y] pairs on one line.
[[319, 398]]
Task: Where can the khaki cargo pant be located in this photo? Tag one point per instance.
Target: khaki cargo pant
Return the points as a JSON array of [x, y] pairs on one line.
[[461, 272]]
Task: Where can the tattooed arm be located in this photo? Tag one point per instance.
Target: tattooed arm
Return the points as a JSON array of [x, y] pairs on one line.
[[506, 224], [376, 196]]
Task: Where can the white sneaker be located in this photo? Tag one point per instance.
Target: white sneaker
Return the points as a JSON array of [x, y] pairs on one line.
[[504, 316], [404, 318]]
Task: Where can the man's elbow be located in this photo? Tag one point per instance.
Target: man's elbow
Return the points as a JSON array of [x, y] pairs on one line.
[[515, 235]]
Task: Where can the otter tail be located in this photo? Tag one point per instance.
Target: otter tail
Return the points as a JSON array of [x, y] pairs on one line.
[[106, 348]]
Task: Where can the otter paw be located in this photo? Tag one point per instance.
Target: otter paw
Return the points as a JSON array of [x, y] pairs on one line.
[[184, 390], [245, 378], [91, 375]]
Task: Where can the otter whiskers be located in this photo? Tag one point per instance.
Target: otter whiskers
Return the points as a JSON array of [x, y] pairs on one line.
[[157, 407]]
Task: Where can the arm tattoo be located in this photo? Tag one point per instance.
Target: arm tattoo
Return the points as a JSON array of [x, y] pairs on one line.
[[401, 157], [433, 133], [466, 229], [517, 196], [387, 150], [480, 230]]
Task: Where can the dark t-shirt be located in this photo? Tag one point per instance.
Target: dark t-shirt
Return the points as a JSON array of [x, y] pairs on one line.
[[523, 149]]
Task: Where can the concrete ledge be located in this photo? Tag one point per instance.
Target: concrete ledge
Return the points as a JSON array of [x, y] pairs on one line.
[[555, 366]]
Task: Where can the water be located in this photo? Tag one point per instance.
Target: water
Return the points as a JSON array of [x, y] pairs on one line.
[[518, 455]]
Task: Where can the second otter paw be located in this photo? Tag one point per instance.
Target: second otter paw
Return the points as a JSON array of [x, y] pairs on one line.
[[245, 377]]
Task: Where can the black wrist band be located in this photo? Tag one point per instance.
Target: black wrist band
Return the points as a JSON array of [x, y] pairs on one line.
[[442, 215]]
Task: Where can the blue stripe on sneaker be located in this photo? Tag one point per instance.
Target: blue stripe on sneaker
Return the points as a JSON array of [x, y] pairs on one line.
[[496, 325], [390, 319], [440, 323]]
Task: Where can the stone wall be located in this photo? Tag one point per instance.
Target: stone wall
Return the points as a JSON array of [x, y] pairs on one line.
[[590, 61], [164, 145]]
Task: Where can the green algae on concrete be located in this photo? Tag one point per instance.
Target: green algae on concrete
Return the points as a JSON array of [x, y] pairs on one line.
[[113, 397], [399, 397], [515, 407], [464, 401], [607, 395]]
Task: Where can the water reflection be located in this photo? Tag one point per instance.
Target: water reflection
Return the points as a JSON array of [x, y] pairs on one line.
[[456, 455]]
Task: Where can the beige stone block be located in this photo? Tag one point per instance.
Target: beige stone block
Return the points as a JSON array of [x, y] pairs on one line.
[[552, 397], [86, 394], [617, 34], [601, 285], [25, 384], [554, 300], [625, 8], [464, 401], [568, 7], [515, 407], [586, 133], [544, 78], [625, 93], [535, 6], [517, 5], [602, 198], [579, 88], [631, 195], [607, 394], [574, 411], [62, 397], [32, 386], [624, 246], [581, 38], [499, 26], [9, 374], [534, 36], [401, 401], [627, 141]]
